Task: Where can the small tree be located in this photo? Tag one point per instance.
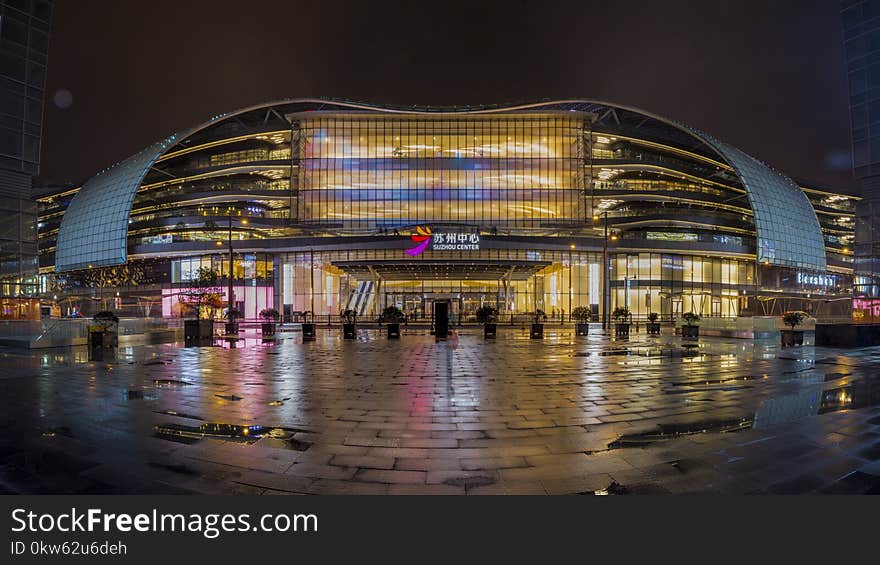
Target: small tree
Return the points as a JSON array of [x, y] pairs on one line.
[[652, 317], [793, 319], [691, 318], [540, 316], [203, 290], [487, 314], [392, 315], [620, 314], [233, 315], [582, 314], [269, 315]]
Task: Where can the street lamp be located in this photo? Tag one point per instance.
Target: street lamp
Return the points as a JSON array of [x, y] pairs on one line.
[[230, 304], [606, 283]]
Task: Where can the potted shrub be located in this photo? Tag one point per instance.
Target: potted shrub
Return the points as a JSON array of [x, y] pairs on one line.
[[203, 292], [653, 324], [792, 337], [538, 325], [488, 316], [349, 319], [393, 316], [621, 321], [308, 326], [582, 316], [270, 317], [232, 317], [690, 329], [104, 331]]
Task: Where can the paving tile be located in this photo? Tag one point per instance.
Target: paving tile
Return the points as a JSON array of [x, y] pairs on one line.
[[547, 421], [363, 461], [391, 477]]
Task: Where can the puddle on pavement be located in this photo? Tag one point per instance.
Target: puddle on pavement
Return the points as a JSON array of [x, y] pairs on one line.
[[858, 394], [614, 488], [270, 436], [55, 431], [229, 397], [170, 382], [663, 432], [712, 382], [686, 351], [140, 395], [835, 376], [178, 414]]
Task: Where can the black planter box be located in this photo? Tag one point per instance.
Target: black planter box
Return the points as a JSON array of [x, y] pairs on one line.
[[308, 331], [101, 338], [348, 331], [490, 329], [198, 328], [790, 338], [653, 328], [621, 329], [690, 332], [198, 332], [267, 328], [393, 331], [537, 331], [231, 328], [582, 328]]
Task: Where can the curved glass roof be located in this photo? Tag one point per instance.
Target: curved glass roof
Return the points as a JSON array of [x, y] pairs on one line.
[[94, 228], [788, 230]]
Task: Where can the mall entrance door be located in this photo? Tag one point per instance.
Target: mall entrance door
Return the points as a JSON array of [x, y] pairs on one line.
[[441, 319]]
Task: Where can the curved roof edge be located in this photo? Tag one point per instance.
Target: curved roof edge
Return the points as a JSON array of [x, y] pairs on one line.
[[94, 228]]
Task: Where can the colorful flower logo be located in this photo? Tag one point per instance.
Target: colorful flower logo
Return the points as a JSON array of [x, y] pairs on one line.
[[421, 238]]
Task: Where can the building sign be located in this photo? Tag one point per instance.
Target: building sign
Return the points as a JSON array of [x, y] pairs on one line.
[[443, 241], [814, 280], [865, 309]]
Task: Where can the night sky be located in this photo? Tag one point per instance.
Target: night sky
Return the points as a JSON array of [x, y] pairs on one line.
[[767, 76]]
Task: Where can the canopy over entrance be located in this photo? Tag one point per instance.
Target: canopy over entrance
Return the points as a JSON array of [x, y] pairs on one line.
[[442, 270]]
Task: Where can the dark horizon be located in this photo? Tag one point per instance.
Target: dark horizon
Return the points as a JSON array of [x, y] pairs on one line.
[[754, 76]]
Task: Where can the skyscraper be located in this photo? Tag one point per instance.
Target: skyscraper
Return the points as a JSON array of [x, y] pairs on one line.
[[24, 43]]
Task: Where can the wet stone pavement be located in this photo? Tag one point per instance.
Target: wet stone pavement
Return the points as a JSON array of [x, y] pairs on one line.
[[564, 415]]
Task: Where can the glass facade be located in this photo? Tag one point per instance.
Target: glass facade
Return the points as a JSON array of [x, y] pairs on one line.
[[861, 28], [18, 259], [671, 285], [327, 282], [24, 45], [325, 196], [253, 281], [369, 172]]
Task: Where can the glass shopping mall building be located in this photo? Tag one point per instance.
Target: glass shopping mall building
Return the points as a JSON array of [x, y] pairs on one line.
[[332, 205]]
